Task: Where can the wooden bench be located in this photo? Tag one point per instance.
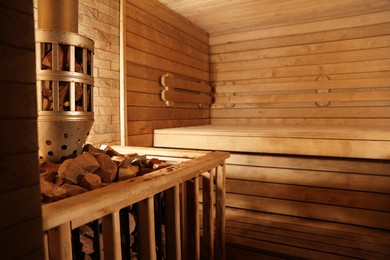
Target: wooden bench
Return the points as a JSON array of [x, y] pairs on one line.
[[300, 191]]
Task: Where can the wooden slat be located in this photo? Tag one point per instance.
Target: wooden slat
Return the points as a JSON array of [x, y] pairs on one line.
[[333, 24], [176, 96], [300, 39], [208, 213], [347, 96], [119, 195], [354, 112], [220, 224], [172, 19], [156, 62], [192, 220], [144, 11], [147, 127], [328, 230], [352, 67], [173, 240], [145, 113], [331, 52], [375, 167], [170, 80], [309, 240], [307, 85], [146, 229], [156, 48], [159, 41], [221, 17], [309, 245], [304, 121], [284, 250], [354, 199], [60, 242], [155, 35], [315, 211], [112, 236], [337, 180]]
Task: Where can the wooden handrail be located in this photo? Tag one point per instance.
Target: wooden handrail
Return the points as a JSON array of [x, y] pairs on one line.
[[60, 217]]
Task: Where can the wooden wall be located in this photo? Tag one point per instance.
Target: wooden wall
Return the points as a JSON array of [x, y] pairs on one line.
[[159, 41], [20, 205], [325, 72]]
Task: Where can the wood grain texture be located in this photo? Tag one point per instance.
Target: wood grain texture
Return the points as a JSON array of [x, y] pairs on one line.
[[159, 41]]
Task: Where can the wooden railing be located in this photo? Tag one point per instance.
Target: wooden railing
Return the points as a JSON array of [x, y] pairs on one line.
[[180, 183]]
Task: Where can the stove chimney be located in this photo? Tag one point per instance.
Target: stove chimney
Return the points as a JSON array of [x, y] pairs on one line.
[[58, 15], [64, 62]]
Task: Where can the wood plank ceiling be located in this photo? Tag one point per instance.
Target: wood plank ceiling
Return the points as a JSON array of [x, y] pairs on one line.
[[228, 16]]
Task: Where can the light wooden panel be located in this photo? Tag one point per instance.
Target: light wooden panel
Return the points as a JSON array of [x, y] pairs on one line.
[[225, 17], [159, 41], [329, 72], [20, 205]]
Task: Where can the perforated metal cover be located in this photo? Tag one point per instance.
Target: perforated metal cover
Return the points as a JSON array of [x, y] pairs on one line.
[[62, 134]]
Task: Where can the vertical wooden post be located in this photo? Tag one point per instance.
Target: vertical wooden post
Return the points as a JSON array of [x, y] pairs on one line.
[[60, 242], [111, 236], [193, 223], [146, 229], [172, 230], [220, 211], [46, 245], [184, 222], [208, 213]]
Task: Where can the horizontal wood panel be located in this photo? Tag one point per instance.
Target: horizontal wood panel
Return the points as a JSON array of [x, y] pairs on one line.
[[146, 113], [309, 70], [143, 85], [158, 41], [21, 130], [156, 62], [147, 127], [300, 39], [154, 35], [362, 75], [329, 50], [21, 240], [306, 85], [304, 243], [158, 49], [149, 17], [311, 226], [336, 180], [326, 25], [16, 177], [330, 112], [348, 244], [180, 83], [368, 218], [362, 200], [281, 249], [304, 121], [224, 17], [304, 97], [176, 96], [140, 139], [171, 18], [376, 167], [25, 204], [20, 98], [312, 59]]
